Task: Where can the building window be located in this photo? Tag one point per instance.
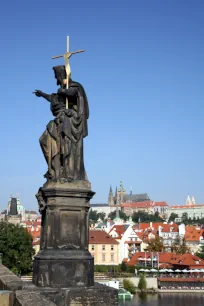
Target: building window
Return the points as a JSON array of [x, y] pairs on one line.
[[103, 247], [112, 247], [112, 257], [92, 247], [103, 257]]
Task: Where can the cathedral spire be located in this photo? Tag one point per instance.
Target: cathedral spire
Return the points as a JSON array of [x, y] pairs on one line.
[[188, 200], [111, 191], [116, 191], [110, 197], [117, 211]]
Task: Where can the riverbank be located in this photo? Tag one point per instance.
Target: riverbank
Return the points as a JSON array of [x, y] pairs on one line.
[[170, 291], [179, 291]]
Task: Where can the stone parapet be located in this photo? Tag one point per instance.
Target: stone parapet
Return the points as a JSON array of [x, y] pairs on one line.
[[26, 294], [8, 280]]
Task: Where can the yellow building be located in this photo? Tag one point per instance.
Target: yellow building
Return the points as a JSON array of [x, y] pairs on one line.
[[103, 248]]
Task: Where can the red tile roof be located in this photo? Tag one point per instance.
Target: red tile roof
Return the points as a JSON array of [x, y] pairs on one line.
[[193, 233], [32, 223], [181, 279], [167, 228], [187, 206], [35, 232], [187, 260], [163, 257], [161, 204], [100, 237], [119, 229], [155, 225], [144, 204]]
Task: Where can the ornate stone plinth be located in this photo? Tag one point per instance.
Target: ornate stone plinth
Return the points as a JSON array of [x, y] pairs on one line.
[[64, 260]]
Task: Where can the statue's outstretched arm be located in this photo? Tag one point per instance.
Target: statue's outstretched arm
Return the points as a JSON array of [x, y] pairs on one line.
[[40, 93]]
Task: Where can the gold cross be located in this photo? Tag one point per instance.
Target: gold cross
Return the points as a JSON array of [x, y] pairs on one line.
[[67, 56]]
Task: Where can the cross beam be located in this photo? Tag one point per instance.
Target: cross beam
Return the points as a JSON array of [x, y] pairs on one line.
[[67, 56]]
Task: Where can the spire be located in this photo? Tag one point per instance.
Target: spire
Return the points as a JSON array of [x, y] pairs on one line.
[[193, 200], [13, 207], [111, 191], [121, 186], [130, 190], [188, 200], [116, 191], [117, 211]]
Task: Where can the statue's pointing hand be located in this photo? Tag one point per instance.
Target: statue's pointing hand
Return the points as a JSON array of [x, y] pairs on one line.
[[38, 93]]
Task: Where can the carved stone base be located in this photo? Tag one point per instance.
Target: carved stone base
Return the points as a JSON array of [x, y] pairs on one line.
[[64, 260], [62, 270], [97, 295]]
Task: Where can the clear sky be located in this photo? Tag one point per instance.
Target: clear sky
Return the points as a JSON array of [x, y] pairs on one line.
[[143, 71]]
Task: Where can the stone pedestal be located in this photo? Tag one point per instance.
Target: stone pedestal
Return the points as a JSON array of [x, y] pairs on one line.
[[64, 260]]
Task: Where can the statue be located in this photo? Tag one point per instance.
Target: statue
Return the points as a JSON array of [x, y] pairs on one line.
[[62, 141]]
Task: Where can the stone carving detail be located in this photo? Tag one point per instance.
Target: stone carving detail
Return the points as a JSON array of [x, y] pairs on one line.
[[41, 202]]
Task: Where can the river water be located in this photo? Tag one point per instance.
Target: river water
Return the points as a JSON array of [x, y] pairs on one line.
[[166, 299]]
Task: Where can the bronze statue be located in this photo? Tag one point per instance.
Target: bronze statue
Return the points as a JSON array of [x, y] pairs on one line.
[[62, 141]]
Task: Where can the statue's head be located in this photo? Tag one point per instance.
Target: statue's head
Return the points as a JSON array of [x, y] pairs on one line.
[[60, 74]]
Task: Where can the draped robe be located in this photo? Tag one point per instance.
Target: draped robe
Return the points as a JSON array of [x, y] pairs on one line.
[[62, 141]]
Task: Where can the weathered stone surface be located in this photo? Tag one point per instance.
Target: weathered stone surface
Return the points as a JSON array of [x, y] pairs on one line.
[[64, 260], [97, 295], [30, 295], [8, 280], [6, 298], [24, 298]]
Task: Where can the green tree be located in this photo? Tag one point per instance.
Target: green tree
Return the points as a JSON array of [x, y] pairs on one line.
[[185, 216], [128, 285], [16, 247], [179, 246], [172, 217], [101, 215], [123, 266], [145, 217], [200, 252], [122, 215], [155, 245], [93, 215], [142, 285]]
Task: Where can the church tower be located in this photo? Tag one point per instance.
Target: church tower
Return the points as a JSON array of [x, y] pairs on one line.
[[188, 201], [193, 201], [110, 197], [121, 193]]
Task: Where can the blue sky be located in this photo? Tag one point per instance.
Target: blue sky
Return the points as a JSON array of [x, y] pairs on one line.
[[143, 71]]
